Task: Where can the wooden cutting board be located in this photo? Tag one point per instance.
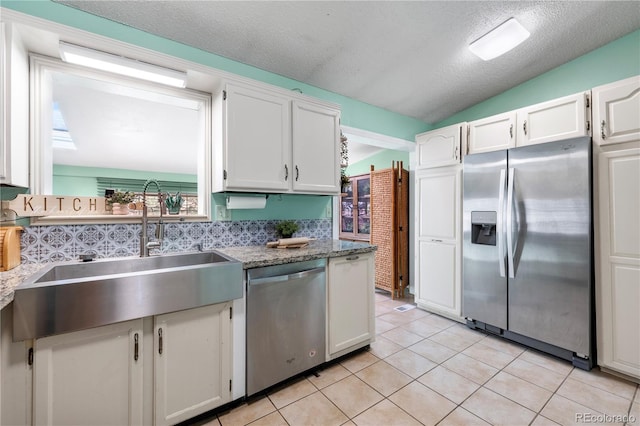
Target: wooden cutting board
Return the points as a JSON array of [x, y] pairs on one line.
[[290, 242], [9, 247]]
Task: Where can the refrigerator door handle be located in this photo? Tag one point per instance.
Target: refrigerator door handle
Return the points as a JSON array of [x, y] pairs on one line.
[[510, 221], [500, 224]]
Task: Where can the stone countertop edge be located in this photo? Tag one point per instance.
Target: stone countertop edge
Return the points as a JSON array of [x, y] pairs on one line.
[[260, 256], [250, 256]]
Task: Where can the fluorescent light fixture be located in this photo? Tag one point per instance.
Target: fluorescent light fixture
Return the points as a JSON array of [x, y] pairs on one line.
[[500, 40], [246, 201], [121, 65]]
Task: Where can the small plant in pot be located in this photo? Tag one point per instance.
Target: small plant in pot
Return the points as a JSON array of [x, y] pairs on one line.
[[119, 201], [286, 228]]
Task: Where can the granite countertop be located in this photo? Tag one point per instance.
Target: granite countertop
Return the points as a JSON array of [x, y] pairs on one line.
[[259, 256], [12, 278], [250, 256]]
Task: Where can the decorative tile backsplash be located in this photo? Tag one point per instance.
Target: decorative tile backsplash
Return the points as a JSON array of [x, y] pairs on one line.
[[42, 244]]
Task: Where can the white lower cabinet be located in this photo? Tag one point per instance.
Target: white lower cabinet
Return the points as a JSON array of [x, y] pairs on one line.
[[99, 376], [438, 277], [618, 261], [15, 374], [438, 257], [192, 362], [350, 303], [89, 377]]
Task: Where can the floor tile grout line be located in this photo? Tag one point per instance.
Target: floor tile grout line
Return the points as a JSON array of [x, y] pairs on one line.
[[483, 340]]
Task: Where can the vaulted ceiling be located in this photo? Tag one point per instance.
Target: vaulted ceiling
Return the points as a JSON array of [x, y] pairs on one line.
[[409, 57]]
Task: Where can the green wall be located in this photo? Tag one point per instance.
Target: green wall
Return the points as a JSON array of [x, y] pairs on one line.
[[280, 207], [380, 160], [81, 181], [614, 61]]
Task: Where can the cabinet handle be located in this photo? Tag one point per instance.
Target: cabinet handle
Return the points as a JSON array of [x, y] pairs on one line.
[[286, 172], [135, 347], [297, 173], [436, 241], [455, 154], [524, 127], [602, 126], [353, 257], [160, 341], [511, 131]]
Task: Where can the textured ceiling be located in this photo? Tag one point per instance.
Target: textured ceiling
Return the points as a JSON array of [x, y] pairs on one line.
[[408, 57]]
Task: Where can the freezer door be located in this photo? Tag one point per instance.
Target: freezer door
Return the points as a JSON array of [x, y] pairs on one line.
[[484, 281], [549, 243]]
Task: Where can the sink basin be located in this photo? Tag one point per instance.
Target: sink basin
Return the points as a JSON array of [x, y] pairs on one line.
[[74, 296]]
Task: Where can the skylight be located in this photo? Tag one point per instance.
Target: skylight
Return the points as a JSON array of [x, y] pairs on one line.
[[61, 138]]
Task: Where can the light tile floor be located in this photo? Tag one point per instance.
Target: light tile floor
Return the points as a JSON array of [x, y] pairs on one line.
[[424, 369]]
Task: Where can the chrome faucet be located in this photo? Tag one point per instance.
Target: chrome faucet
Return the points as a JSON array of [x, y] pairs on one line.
[[145, 244]]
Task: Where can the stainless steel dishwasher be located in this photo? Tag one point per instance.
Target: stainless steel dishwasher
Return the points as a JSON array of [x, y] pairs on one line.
[[285, 321]]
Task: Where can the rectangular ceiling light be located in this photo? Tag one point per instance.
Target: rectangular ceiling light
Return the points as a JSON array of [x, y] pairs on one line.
[[121, 65], [500, 40]]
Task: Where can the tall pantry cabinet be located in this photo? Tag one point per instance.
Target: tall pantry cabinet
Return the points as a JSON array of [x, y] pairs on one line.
[[616, 137], [438, 244]]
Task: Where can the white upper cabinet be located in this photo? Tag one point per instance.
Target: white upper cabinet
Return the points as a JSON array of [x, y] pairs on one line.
[[316, 151], [268, 141], [257, 134], [492, 133], [441, 147], [616, 112], [562, 118], [14, 108]]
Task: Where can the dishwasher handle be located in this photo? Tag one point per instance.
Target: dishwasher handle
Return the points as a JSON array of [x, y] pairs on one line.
[[280, 278]]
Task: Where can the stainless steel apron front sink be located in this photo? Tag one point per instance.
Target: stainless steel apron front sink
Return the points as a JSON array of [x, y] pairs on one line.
[[75, 296]]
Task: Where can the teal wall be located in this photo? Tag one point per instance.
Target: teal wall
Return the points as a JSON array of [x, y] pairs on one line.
[[380, 160], [285, 206], [614, 61], [81, 181]]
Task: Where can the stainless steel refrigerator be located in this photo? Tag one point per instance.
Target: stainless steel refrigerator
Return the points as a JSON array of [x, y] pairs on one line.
[[527, 247]]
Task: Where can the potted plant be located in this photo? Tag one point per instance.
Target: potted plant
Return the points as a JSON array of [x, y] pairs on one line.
[[119, 201], [344, 180], [173, 203], [286, 228]]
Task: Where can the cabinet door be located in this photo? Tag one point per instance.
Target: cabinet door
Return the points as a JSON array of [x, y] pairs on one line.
[[355, 213], [438, 240], [316, 148], [14, 108], [257, 140], [89, 377], [438, 202], [618, 289], [192, 362], [440, 147], [492, 133], [350, 294], [616, 112], [438, 275], [562, 118], [15, 374]]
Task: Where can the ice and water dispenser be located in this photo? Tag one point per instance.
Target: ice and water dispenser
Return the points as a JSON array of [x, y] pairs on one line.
[[483, 228]]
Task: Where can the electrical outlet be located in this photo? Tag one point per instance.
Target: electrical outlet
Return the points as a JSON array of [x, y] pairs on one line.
[[222, 213], [329, 212]]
